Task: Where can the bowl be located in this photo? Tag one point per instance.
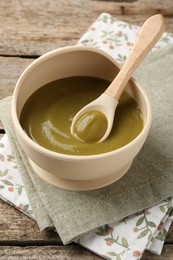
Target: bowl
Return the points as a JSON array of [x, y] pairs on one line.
[[70, 171]]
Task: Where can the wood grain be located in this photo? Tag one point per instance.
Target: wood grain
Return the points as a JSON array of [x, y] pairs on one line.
[[71, 252], [33, 29], [19, 227], [10, 70]]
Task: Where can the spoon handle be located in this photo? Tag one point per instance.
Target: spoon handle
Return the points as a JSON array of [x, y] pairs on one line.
[[149, 34]]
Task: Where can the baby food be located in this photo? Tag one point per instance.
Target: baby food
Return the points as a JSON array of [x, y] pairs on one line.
[[48, 113]]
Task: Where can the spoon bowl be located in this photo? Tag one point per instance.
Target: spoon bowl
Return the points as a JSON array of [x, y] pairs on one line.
[[150, 33], [105, 104]]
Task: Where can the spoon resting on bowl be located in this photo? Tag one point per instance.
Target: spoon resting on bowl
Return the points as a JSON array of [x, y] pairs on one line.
[[93, 123]]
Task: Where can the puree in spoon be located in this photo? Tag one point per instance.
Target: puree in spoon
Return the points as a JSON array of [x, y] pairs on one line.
[[47, 115], [90, 126]]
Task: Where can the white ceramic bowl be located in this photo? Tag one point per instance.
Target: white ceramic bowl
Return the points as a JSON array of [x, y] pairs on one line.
[[70, 171]]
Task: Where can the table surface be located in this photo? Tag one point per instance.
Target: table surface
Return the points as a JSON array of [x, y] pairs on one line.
[[27, 30]]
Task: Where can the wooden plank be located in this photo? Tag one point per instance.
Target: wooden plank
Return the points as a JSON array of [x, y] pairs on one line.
[[35, 29], [17, 226], [140, 7], [70, 252], [41, 26], [10, 71], [117, 0], [169, 237], [47, 252]]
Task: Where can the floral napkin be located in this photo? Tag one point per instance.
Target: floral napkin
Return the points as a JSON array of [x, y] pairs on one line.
[[128, 238]]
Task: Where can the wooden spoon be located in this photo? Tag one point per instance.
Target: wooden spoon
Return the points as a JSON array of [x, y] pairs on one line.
[[150, 33]]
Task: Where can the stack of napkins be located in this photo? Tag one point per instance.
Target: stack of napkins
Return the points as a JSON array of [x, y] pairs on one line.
[[123, 237]]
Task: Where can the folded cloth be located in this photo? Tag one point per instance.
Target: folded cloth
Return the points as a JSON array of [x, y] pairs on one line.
[[126, 239], [151, 171]]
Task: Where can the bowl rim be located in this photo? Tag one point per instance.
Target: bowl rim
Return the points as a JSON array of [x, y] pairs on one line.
[[61, 156]]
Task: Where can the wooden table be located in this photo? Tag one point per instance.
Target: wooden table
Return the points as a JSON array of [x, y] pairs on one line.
[[27, 30]]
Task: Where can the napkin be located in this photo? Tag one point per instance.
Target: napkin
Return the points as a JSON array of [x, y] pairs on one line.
[[110, 204]]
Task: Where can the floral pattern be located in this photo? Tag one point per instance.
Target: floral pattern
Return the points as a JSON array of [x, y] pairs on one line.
[[130, 237], [116, 37], [11, 186]]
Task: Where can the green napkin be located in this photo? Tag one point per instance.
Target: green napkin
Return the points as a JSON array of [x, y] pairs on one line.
[[148, 181]]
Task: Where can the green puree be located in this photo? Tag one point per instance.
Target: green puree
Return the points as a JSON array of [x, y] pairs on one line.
[[47, 115], [91, 126]]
